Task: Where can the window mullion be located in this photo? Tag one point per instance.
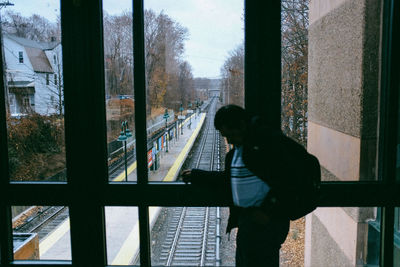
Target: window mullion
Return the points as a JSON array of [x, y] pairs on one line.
[[85, 128], [140, 91], [263, 59], [140, 128], [387, 236], [6, 242], [389, 122]]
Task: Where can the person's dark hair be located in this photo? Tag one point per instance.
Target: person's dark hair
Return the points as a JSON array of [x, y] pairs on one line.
[[229, 116]]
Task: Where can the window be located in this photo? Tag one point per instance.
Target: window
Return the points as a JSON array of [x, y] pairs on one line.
[[26, 101], [55, 79], [85, 189], [32, 99], [54, 59], [21, 57], [47, 79]]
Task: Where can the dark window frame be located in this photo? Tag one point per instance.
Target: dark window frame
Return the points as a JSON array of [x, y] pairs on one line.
[[20, 57], [87, 169]]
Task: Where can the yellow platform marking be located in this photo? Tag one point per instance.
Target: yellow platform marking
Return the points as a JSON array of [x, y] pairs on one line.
[[53, 237], [132, 167], [131, 244], [173, 171], [121, 176], [130, 248]]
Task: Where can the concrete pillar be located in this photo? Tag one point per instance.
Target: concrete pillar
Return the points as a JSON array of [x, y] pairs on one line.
[[344, 38]]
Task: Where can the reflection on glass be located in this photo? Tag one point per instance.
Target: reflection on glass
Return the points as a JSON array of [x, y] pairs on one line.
[[122, 230], [329, 105], [118, 58], [41, 233], [193, 54], [342, 237], [34, 90], [396, 246]]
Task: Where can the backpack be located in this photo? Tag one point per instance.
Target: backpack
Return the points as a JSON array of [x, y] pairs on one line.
[[306, 179], [297, 173]]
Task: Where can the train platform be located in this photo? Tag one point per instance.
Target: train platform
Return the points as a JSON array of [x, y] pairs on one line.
[[121, 222]]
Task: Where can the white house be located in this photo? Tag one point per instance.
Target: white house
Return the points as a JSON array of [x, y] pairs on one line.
[[34, 76]]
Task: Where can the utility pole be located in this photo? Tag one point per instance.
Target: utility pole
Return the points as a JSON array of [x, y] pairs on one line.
[[4, 67]]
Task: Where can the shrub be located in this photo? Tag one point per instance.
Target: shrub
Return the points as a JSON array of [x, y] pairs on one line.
[[30, 140]]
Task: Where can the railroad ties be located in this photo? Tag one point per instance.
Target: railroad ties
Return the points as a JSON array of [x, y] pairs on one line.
[[192, 235]]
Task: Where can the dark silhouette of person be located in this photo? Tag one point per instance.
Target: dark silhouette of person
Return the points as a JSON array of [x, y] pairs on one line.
[[253, 180]]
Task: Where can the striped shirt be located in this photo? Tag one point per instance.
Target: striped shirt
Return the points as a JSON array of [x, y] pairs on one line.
[[247, 189]]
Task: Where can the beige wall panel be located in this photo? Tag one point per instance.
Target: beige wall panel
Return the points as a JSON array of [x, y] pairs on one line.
[[319, 8], [341, 228], [339, 153]]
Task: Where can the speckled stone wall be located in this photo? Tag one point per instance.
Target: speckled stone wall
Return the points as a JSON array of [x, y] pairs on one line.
[[344, 68], [343, 94]]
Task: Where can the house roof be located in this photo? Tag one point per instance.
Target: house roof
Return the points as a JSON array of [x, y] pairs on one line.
[[21, 83], [34, 44], [39, 60], [35, 52]]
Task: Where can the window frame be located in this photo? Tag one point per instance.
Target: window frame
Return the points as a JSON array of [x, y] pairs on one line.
[[21, 57], [87, 170]]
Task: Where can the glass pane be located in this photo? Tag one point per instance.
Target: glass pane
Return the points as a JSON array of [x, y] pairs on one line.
[[178, 237], [41, 233], [330, 79], [397, 238], [326, 237], [120, 104], [31, 35], [342, 237], [122, 230], [192, 48]]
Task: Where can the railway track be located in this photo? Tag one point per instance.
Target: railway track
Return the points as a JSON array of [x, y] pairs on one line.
[[48, 218], [193, 234], [45, 221]]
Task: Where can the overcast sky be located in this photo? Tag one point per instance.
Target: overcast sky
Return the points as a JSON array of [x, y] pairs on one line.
[[215, 26]]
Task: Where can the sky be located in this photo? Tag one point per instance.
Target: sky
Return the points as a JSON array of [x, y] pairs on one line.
[[215, 27]]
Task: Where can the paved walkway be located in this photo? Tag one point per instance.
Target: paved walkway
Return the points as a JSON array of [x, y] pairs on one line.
[[121, 222]]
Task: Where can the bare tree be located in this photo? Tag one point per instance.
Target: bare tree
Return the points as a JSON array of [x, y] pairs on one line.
[[118, 53], [295, 68], [232, 74], [35, 27], [185, 83], [164, 47]]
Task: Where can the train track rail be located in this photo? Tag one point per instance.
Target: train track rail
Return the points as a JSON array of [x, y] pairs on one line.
[[193, 233], [44, 221]]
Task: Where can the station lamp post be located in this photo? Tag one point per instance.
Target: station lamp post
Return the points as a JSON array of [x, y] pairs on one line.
[[123, 137], [166, 116], [181, 109], [190, 116]]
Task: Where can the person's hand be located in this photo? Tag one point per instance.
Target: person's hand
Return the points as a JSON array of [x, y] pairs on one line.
[[186, 176]]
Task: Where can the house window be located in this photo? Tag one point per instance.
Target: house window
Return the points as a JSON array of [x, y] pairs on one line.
[[26, 102], [55, 79], [32, 100], [21, 57], [47, 79], [12, 99], [55, 59]]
